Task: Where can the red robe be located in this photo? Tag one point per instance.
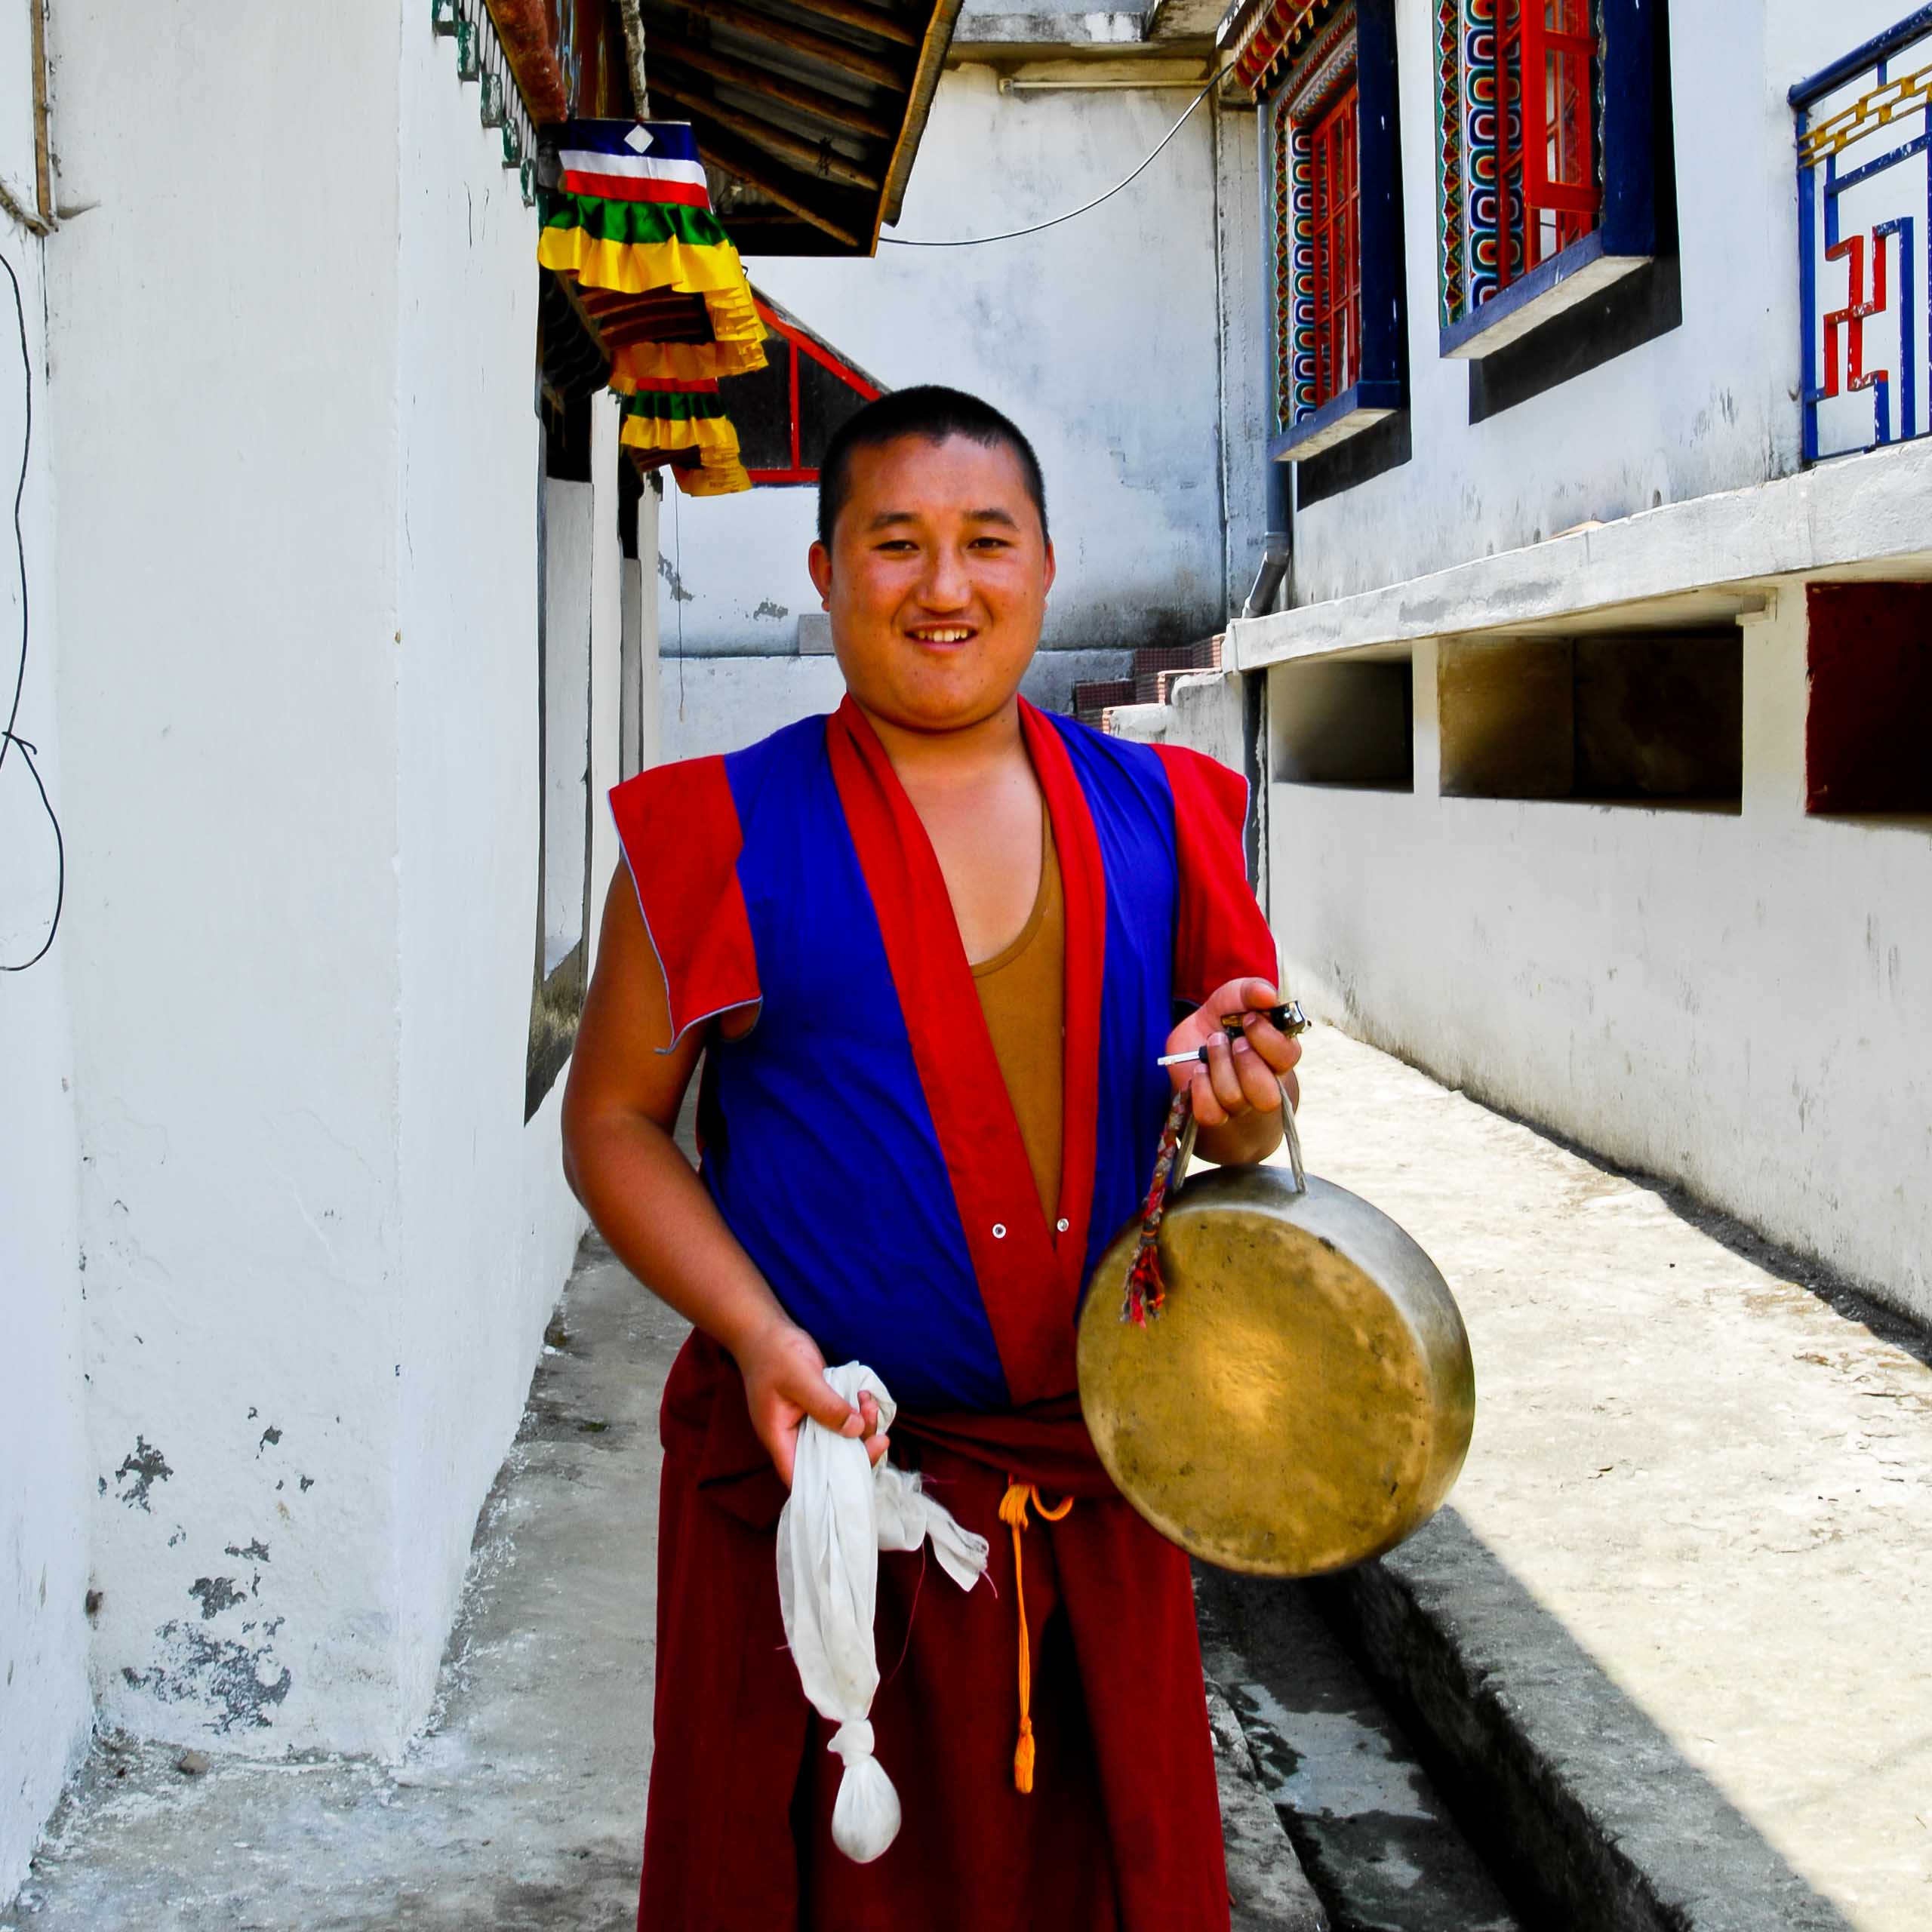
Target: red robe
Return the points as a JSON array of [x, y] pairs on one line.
[[862, 1146], [1122, 1828]]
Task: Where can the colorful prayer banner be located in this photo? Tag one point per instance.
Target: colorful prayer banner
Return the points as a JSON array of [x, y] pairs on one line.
[[629, 211]]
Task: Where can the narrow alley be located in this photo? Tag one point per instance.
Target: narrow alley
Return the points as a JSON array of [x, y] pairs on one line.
[[1628, 1649]]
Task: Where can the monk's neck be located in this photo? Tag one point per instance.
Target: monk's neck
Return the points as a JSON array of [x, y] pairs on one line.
[[933, 764]]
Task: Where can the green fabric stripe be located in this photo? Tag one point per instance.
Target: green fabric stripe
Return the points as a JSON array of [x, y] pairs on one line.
[[674, 405], [630, 221]]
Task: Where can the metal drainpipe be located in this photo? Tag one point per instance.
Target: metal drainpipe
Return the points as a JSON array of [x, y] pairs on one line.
[[1277, 552], [1277, 547]]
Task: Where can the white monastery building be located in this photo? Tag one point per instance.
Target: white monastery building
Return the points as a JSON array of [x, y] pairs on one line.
[[1598, 679], [336, 608], [1500, 427]]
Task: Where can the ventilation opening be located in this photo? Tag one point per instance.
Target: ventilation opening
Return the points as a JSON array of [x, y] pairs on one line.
[[1647, 719], [1869, 720], [1347, 724]]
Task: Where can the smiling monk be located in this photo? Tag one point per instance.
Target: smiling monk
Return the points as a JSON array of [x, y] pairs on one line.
[[929, 948]]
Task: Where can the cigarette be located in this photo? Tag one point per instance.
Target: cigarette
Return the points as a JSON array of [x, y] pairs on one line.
[[1289, 1018]]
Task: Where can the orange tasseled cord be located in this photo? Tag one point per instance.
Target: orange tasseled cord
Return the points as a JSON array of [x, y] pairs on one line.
[[1013, 1512]]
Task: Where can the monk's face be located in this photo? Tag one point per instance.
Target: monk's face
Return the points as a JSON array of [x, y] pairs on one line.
[[937, 581]]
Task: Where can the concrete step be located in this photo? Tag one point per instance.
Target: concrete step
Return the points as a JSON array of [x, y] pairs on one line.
[[1373, 1834], [1267, 1887], [1668, 1652]]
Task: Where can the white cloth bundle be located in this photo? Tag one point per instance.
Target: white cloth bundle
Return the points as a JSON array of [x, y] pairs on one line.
[[841, 1513]]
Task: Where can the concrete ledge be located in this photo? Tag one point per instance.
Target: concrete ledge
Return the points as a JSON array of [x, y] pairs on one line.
[[1858, 515], [1139, 724], [1671, 1643], [980, 36], [1267, 1888]]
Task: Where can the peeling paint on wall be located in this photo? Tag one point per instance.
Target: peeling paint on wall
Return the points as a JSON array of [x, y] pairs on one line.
[[238, 1686], [215, 1594], [141, 1469]]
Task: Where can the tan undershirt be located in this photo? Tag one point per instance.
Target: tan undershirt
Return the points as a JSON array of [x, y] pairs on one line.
[[1022, 992]]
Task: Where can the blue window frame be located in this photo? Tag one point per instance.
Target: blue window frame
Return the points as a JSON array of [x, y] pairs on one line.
[[1337, 315], [1865, 242], [1493, 289]]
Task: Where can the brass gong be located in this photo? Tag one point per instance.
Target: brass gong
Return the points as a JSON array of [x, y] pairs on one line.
[[1304, 1397]]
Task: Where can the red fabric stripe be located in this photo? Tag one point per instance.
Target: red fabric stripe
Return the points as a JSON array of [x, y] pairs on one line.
[[637, 188], [1084, 888], [1028, 1304], [1219, 933], [678, 826]]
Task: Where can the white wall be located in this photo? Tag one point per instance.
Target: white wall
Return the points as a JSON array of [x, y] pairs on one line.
[[487, 1228], [1710, 405], [1244, 361], [45, 1705], [1098, 338], [569, 545], [720, 704], [1718, 998], [298, 713], [227, 565]]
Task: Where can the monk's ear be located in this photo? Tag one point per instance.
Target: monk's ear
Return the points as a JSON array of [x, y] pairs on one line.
[[1051, 566], [818, 560]]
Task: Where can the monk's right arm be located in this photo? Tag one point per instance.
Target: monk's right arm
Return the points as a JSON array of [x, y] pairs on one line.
[[620, 1107]]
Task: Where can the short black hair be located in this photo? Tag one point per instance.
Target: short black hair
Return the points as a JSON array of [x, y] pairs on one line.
[[930, 411]]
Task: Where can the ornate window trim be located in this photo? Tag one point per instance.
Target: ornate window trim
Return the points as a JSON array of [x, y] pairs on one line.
[[1864, 226], [1483, 306], [1309, 66]]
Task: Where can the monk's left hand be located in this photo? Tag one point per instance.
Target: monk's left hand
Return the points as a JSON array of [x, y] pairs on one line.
[[1242, 1079]]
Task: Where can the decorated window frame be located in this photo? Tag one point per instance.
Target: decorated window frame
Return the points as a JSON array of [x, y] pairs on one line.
[[1337, 328], [1864, 226], [1545, 194]]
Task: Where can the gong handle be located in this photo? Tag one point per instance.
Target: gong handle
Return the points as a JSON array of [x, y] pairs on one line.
[[1290, 1134]]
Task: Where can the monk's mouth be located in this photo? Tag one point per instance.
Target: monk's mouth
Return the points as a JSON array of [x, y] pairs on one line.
[[943, 636]]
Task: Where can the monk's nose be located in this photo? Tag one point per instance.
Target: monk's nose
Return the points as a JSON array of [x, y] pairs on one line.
[[945, 587]]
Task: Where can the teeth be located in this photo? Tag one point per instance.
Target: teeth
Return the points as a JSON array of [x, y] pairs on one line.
[[942, 637]]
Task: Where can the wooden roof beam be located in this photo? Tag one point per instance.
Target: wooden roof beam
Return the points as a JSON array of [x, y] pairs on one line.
[[751, 168], [862, 66], [867, 19], [826, 107], [822, 161]]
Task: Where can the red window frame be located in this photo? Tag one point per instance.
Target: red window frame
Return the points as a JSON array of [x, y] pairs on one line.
[[1545, 52], [797, 344], [1335, 207]]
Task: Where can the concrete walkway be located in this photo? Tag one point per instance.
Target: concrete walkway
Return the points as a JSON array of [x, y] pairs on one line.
[[1672, 1638], [521, 1809]]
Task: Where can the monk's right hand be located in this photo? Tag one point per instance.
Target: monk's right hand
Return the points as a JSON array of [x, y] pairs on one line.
[[785, 1382]]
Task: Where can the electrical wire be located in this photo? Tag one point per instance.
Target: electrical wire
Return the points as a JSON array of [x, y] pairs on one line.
[[1014, 234], [9, 738]]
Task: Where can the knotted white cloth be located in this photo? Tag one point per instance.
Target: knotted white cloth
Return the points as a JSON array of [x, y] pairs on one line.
[[841, 1513]]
